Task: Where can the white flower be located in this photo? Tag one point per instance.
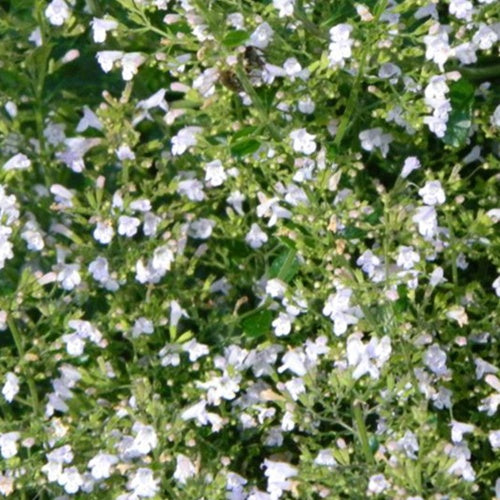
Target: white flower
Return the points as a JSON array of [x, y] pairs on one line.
[[325, 457], [130, 64], [282, 324], [437, 277], [337, 308], [409, 445], [145, 440], [127, 226], [71, 480], [411, 163], [8, 444], [3, 320], [125, 153], [458, 314], [494, 438], [162, 259], [437, 47], [276, 288], [458, 429], [293, 69], [461, 9], [367, 358], [201, 229], [466, 53], [215, 174], [340, 46], [57, 12], [375, 138], [205, 83], [435, 360], [285, 7], [143, 484], [390, 71], [407, 257], [142, 325], [33, 237], [192, 189], [295, 361], [107, 58], [176, 313], [432, 193], [255, 238], [68, 276], [426, 218], [150, 224], [10, 387], [377, 484], [306, 105], [18, 162], [485, 37], [302, 141], [76, 148], [295, 387], [236, 199], [100, 27], [495, 117], [278, 477], [6, 485], [101, 465], [184, 469], [185, 138], [195, 350], [261, 37], [496, 286], [368, 262], [103, 233], [74, 344]]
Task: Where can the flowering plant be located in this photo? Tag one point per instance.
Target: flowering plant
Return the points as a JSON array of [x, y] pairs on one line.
[[248, 250]]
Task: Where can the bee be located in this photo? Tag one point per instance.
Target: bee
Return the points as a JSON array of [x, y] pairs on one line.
[[230, 80], [251, 59]]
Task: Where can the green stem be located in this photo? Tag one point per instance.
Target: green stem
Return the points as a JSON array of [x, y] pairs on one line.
[[352, 102], [301, 15], [362, 434], [481, 73], [453, 246], [20, 350], [248, 88]]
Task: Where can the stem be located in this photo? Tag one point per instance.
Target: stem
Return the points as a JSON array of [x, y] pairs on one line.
[[482, 73], [362, 434], [20, 350], [248, 88], [453, 246], [301, 15], [352, 103]]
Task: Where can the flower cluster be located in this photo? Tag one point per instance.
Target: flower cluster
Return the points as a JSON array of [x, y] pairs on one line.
[[249, 250]]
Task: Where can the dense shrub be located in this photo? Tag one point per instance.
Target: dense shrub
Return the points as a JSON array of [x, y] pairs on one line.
[[248, 249]]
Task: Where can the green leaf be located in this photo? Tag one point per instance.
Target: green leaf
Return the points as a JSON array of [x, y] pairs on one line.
[[243, 132], [257, 323], [353, 233], [285, 266], [460, 119], [245, 147], [235, 38]]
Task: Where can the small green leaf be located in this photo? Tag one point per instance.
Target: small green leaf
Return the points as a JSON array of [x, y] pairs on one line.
[[460, 119], [257, 323], [353, 233], [243, 132], [245, 147], [235, 38], [285, 266]]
